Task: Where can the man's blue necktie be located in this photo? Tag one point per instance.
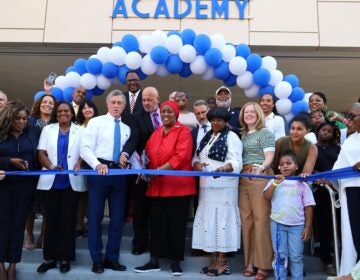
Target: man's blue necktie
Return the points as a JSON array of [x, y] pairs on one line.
[[117, 137]]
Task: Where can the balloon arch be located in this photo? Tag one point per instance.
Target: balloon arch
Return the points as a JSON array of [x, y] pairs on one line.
[[183, 53]]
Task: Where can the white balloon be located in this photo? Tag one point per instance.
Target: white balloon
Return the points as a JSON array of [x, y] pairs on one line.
[[88, 81], [289, 117], [283, 89], [217, 41], [104, 54], [133, 60], [61, 82], [103, 82], [228, 52], [145, 45], [209, 74], [73, 79], [148, 66], [237, 65], [94, 56], [198, 66], [158, 38], [117, 55], [307, 97], [162, 71], [245, 80], [276, 77], [187, 53], [283, 106], [173, 44], [269, 63], [252, 91]]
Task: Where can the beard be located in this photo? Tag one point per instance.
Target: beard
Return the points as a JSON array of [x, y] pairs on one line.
[[223, 103]]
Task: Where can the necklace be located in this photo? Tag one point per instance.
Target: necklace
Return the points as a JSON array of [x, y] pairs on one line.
[[64, 131]]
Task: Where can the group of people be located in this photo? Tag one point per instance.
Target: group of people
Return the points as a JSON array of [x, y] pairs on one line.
[[272, 217]]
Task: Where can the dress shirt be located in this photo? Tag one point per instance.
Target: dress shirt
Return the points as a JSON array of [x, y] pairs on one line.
[[201, 132], [136, 95], [98, 139], [76, 107], [276, 125]]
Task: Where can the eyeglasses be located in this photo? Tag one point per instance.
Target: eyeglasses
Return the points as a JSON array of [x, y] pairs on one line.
[[352, 116], [133, 81]]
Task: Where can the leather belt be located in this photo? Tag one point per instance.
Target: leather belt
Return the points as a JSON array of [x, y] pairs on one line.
[[109, 163]]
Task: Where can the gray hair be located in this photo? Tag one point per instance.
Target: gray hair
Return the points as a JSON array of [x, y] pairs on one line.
[[115, 92], [3, 93], [356, 105], [200, 102]]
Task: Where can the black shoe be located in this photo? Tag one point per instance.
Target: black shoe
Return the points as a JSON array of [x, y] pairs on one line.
[[137, 250], [45, 266], [114, 265], [149, 267], [64, 266], [176, 269], [98, 267]]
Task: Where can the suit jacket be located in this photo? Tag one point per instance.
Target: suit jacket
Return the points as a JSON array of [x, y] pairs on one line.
[[126, 115], [141, 129], [48, 141], [194, 133], [234, 121]]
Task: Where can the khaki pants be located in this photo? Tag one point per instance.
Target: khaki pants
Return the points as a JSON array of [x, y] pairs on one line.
[[255, 222]]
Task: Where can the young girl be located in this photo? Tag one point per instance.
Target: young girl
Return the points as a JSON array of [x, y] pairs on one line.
[[291, 217]]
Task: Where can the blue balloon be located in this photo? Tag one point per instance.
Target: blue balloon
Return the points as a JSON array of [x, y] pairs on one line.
[[174, 32], [67, 94], [188, 36], [231, 80], [185, 71], [266, 89], [261, 77], [222, 71], [174, 64], [297, 94], [80, 65], [94, 66], [39, 94], [110, 70], [57, 93], [122, 73], [253, 62], [202, 43], [70, 69], [141, 74], [89, 94], [213, 57], [159, 54], [299, 106], [130, 43], [96, 91], [243, 50], [117, 44], [292, 79]]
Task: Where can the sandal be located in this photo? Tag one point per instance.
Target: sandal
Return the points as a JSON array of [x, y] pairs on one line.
[[260, 275], [249, 273], [204, 270], [216, 272]]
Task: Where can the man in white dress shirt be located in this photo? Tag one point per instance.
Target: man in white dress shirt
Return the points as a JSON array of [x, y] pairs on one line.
[[100, 152]]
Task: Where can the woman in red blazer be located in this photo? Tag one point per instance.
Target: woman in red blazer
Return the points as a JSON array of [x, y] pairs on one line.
[[169, 148]]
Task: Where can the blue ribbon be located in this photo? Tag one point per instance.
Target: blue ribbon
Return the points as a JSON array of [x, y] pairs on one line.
[[343, 173]]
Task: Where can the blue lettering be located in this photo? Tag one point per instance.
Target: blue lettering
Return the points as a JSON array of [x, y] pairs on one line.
[[120, 9], [219, 9], [241, 7], [137, 12], [177, 14], [198, 9], [161, 9]]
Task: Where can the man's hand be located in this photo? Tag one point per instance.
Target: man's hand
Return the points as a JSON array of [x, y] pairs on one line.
[[102, 169]]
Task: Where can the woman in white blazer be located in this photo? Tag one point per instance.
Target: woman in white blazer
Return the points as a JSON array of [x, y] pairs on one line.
[[59, 149]]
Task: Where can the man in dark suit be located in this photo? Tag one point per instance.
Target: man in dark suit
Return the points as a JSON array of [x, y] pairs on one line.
[[223, 99], [133, 96], [143, 123], [200, 109]]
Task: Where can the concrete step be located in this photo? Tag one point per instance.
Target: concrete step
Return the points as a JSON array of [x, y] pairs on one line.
[[191, 266]]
